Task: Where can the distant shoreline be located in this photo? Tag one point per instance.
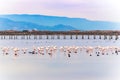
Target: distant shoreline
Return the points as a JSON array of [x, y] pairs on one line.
[[72, 32]]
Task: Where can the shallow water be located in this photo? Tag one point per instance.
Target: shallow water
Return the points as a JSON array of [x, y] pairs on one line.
[[78, 67]]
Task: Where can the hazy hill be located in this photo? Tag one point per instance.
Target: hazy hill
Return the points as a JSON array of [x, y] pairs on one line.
[[7, 24], [44, 22]]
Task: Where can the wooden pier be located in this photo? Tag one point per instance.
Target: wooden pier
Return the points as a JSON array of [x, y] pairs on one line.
[[37, 35]]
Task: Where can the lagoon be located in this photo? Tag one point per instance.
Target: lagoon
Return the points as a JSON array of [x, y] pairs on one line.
[[59, 67]]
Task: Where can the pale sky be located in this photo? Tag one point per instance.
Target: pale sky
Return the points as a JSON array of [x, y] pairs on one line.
[[107, 10]]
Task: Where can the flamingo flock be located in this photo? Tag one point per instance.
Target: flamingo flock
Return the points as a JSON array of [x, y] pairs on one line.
[[66, 50]]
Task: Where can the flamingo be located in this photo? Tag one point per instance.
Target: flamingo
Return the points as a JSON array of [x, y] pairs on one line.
[[24, 50], [41, 50], [89, 50], [5, 50], [16, 50]]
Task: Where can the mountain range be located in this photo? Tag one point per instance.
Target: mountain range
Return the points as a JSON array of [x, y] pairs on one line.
[[53, 23]]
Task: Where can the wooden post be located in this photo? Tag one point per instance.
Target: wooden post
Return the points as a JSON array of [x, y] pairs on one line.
[[82, 36], [64, 36], [1, 37], [99, 36], [116, 37], [88, 37], [35, 36], [58, 36], [76, 36], [70, 36], [104, 37], [29, 37], [47, 37], [111, 37], [40, 36], [94, 37], [11, 36], [52, 36], [16, 37], [21, 36], [4, 37]]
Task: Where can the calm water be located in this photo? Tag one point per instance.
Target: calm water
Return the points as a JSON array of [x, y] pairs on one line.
[[78, 67]]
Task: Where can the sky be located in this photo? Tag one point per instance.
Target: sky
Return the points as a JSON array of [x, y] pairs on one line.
[[107, 10]]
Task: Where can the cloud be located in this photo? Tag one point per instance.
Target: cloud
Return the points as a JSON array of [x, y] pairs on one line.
[[91, 9]]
